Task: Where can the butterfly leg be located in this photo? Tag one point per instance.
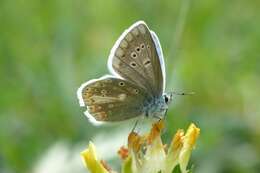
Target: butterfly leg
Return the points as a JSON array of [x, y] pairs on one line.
[[157, 117], [135, 125], [165, 114]]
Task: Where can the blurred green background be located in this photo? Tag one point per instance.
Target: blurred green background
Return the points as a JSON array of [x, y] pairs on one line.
[[48, 48]]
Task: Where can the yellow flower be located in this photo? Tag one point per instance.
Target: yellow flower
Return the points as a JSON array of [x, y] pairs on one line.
[[174, 151], [188, 144], [147, 154], [91, 161]]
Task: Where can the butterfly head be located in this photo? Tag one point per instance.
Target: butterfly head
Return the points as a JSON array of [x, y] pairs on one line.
[[168, 98]]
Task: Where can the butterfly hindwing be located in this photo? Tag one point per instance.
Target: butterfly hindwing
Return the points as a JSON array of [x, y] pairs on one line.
[[112, 99]]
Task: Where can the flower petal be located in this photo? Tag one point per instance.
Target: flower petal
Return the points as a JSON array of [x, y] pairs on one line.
[[188, 144], [174, 151], [90, 160], [154, 158]]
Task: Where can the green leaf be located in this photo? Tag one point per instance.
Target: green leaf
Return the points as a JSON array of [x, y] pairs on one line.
[[177, 169]]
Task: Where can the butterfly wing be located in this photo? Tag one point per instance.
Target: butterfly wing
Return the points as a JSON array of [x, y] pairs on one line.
[[137, 57], [112, 99]]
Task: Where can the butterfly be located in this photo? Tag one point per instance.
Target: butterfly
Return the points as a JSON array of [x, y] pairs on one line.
[[137, 81]]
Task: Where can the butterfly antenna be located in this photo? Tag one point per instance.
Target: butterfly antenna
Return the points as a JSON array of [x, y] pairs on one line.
[[183, 93]]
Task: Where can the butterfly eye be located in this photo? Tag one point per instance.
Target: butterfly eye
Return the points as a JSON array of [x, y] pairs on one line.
[[166, 99]]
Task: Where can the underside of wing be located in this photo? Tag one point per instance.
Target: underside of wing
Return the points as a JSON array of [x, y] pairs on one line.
[[137, 57], [112, 99]]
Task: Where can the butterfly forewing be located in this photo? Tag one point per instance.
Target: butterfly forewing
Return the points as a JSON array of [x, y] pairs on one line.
[[135, 58], [113, 99]]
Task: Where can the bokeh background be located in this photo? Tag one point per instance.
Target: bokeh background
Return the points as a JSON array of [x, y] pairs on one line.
[[48, 48]]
